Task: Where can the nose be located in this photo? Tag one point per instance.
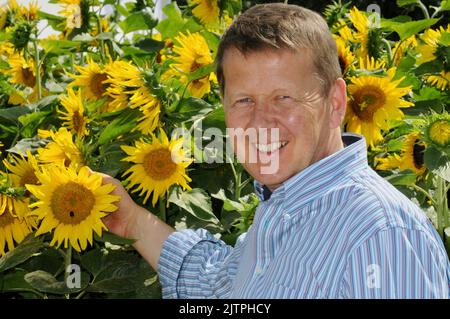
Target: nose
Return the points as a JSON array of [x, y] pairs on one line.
[[263, 115]]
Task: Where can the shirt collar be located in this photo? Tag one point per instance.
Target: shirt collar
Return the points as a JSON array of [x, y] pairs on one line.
[[314, 180]]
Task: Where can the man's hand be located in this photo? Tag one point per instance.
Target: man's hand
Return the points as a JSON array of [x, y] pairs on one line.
[[135, 222], [123, 221]]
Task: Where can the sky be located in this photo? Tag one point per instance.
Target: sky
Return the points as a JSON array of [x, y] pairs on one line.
[[46, 7], [55, 8]]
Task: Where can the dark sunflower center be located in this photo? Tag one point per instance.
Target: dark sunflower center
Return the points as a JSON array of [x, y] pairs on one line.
[[78, 121], [343, 63], [72, 203], [97, 86], [6, 219], [366, 101], [158, 164], [195, 66], [28, 178], [418, 151], [28, 77]]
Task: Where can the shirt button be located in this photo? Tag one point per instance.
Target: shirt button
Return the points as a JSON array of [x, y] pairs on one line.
[[286, 217], [258, 270]]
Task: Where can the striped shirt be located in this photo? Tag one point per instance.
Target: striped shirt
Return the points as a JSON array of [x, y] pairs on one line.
[[335, 230]]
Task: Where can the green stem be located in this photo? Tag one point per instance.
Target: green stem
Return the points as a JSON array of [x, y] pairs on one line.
[[441, 206], [102, 42], [238, 185], [387, 45], [67, 263], [421, 190], [424, 9], [38, 68], [162, 208]]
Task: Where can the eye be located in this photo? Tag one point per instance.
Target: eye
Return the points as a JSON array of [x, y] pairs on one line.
[[244, 101], [283, 97]]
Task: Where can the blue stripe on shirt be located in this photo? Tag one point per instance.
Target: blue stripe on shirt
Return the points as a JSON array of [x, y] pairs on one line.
[[334, 230]]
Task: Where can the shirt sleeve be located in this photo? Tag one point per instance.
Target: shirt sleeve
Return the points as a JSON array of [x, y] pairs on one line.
[[398, 263], [195, 264]]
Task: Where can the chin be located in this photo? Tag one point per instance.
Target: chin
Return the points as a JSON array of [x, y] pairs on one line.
[[275, 179]]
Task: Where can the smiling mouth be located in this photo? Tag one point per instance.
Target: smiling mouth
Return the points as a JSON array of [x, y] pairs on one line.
[[271, 147]]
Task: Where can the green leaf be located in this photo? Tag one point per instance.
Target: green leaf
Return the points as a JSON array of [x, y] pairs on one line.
[[121, 125], [435, 159], [445, 39], [45, 282], [404, 3], [59, 46], [31, 122], [25, 144], [445, 5], [21, 253], [215, 119], [432, 67], [131, 50], [56, 22], [175, 23], [13, 113], [407, 29], [83, 37], [119, 273], [114, 239], [138, 21], [92, 261], [150, 45], [196, 202], [201, 72], [14, 282], [49, 260], [3, 64], [404, 178], [113, 285], [44, 103]]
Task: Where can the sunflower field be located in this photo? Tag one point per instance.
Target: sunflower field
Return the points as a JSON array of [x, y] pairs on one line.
[[110, 91]]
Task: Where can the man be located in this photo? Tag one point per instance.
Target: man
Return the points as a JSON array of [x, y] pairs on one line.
[[327, 225]]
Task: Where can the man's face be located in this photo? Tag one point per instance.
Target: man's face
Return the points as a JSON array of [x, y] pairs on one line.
[[276, 89]]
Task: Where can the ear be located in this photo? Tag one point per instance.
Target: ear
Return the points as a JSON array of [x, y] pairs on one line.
[[338, 100]]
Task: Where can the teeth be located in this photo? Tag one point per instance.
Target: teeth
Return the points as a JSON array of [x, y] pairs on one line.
[[270, 147]]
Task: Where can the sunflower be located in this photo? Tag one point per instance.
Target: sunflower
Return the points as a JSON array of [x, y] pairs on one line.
[[411, 157], [30, 13], [74, 117], [6, 203], [72, 11], [3, 18], [157, 166], [361, 24], [401, 47], [149, 105], [437, 131], [373, 101], [14, 229], [23, 170], [343, 31], [71, 203], [91, 80], [207, 11], [126, 83], [371, 64], [429, 50], [61, 149], [346, 57], [192, 54], [22, 71], [441, 80]]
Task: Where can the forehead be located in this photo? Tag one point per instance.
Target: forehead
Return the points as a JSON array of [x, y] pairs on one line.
[[268, 69]]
